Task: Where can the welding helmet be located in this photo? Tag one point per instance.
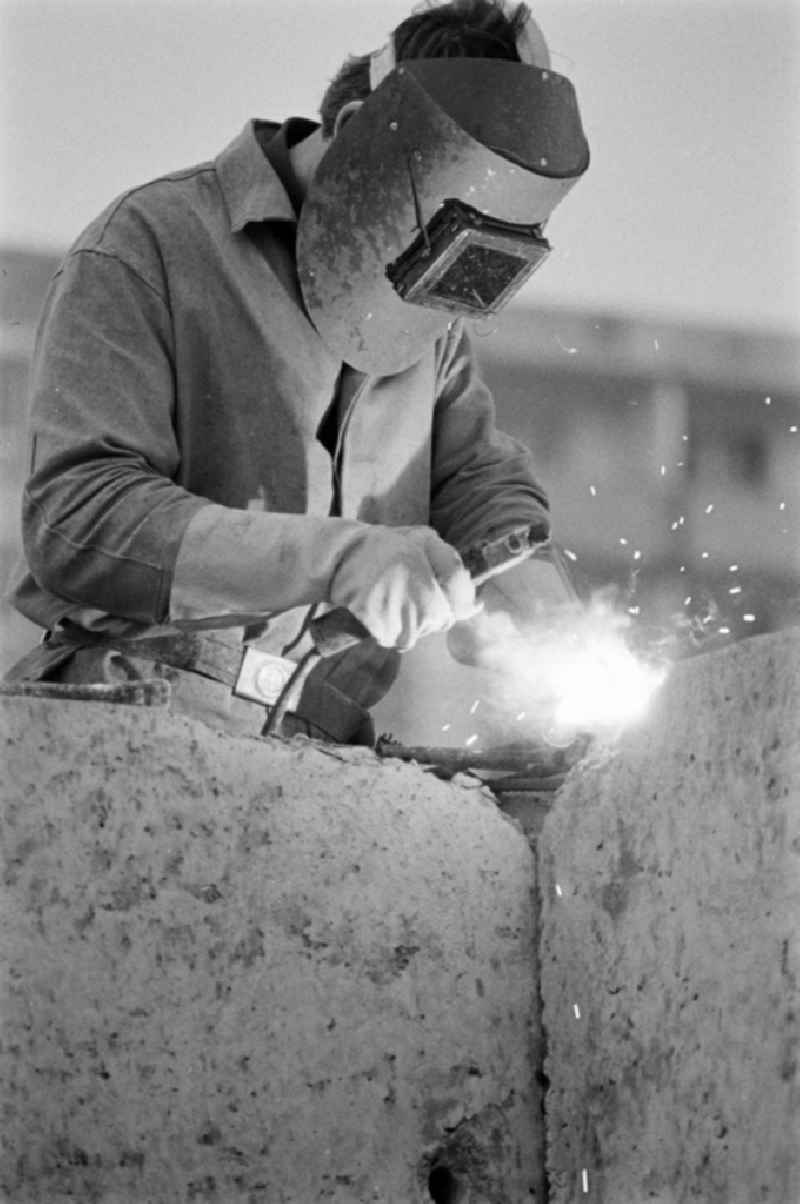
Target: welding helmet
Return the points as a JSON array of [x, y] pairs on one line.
[[431, 199]]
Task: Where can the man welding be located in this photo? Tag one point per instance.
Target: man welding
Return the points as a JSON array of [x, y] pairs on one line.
[[254, 398]]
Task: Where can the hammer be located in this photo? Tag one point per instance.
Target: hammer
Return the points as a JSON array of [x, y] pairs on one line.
[[339, 629]]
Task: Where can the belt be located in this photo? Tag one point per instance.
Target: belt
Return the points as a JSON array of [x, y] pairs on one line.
[[251, 676], [247, 671]]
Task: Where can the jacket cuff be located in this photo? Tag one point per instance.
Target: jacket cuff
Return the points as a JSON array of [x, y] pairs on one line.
[[239, 566]]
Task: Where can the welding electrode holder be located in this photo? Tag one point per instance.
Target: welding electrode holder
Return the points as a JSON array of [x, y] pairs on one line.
[[497, 555], [339, 629]]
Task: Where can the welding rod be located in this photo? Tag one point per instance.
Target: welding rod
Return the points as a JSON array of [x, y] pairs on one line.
[[522, 762]]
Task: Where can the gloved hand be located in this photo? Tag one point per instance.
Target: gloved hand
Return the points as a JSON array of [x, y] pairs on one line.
[[403, 583]]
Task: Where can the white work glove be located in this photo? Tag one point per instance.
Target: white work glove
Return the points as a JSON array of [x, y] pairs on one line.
[[403, 583]]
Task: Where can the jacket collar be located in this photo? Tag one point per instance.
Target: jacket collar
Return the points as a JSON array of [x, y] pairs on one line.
[[252, 188]]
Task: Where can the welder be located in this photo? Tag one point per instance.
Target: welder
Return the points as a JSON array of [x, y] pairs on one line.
[[255, 399]]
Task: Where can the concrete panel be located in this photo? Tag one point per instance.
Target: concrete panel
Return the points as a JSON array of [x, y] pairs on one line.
[[670, 880], [238, 970]]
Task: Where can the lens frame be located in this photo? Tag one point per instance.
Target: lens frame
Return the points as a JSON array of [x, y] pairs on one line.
[[454, 230]]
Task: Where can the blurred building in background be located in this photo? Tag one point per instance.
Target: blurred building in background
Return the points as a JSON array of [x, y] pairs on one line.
[[670, 452]]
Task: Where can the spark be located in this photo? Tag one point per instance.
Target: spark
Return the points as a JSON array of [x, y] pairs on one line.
[[593, 491], [682, 569], [637, 555], [685, 438], [559, 891], [446, 727], [663, 470], [687, 601], [655, 344], [733, 568], [570, 555], [572, 670], [705, 555], [585, 1181], [673, 527], [793, 429], [767, 401], [577, 1011], [520, 716], [735, 589], [474, 706], [724, 631], [709, 507], [634, 610], [681, 464], [782, 506], [471, 739], [623, 541], [749, 618]]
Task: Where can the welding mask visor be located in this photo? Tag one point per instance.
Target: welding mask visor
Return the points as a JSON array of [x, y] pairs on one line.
[[430, 203]]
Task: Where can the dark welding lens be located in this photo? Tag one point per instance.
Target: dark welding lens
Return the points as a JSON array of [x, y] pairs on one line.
[[467, 262], [479, 277]]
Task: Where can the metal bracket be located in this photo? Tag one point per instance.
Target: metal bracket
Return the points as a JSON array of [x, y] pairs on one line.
[[263, 677]]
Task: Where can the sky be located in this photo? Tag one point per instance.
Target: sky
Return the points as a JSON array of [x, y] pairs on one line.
[[689, 210]]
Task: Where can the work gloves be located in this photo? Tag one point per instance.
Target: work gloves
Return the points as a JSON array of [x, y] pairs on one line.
[[403, 583]]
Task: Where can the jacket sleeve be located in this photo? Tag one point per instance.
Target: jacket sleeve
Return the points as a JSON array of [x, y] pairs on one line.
[[103, 517], [483, 481]]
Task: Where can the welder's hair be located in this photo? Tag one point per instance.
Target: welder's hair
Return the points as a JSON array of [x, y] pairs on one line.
[[460, 29]]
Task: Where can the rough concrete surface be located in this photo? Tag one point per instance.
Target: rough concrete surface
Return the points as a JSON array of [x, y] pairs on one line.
[[670, 882], [237, 970]]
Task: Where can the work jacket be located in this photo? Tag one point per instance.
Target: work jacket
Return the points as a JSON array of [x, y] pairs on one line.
[[180, 471]]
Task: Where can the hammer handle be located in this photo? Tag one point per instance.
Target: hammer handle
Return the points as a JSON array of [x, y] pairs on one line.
[[337, 630]]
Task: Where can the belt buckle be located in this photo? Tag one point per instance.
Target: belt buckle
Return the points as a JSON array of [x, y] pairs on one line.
[[263, 677]]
